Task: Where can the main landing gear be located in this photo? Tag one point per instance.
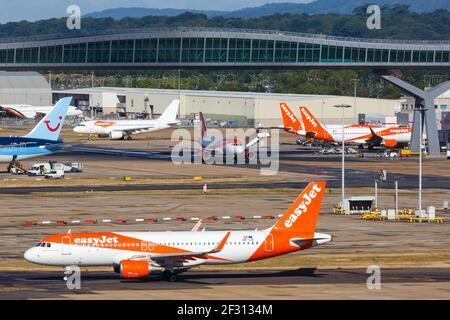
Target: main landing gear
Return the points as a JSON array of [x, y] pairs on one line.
[[170, 276]]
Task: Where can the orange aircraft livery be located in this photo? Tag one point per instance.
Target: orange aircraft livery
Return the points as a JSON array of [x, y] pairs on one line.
[[136, 254], [390, 137]]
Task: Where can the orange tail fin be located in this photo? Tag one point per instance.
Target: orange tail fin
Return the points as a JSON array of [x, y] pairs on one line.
[[301, 217], [290, 121], [313, 127]]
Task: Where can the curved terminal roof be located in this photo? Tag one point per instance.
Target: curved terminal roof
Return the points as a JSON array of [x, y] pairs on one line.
[[217, 48]]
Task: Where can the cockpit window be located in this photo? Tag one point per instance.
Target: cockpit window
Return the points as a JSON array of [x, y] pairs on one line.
[[44, 244]]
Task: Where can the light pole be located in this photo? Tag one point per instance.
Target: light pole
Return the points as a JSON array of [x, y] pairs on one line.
[[421, 110], [355, 80], [343, 107]]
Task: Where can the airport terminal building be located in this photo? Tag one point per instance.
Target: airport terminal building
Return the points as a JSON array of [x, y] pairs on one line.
[[206, 48], [250, 109]]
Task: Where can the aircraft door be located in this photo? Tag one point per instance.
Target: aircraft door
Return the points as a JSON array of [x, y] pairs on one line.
[[269, 243], [66, 245]]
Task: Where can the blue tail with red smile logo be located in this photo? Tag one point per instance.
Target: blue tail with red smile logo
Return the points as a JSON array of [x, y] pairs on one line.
[[50, 126]]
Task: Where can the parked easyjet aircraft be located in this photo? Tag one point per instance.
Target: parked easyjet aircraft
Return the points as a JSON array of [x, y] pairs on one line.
[[293, 125], [390, 137], [119, 129], [136, 254]]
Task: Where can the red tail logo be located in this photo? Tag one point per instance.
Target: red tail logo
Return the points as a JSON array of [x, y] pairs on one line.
[[47, 123]]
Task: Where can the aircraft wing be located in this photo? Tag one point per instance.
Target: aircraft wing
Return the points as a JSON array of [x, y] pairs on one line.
[[136, 130], [18, 145], [183, 255], [174, 123], [62, 144], [374, 138], [25, 143]]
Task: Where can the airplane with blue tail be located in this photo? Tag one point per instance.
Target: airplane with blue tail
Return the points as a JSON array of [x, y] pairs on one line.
[[42, 140]]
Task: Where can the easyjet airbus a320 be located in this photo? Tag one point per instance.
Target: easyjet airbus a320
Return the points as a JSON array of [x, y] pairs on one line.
[[136, 254], [358, 134]]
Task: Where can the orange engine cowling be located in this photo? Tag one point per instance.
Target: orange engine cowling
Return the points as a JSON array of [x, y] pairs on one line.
[[133, 269], [390, 143]]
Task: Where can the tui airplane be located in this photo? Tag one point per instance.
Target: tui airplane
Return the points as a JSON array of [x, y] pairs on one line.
[[42, 140]]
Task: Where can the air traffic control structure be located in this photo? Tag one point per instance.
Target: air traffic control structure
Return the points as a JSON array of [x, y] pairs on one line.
[[182, 48], [424, 113]]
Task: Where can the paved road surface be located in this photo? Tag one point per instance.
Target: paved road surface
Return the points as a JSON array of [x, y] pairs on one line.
[[24, 285]]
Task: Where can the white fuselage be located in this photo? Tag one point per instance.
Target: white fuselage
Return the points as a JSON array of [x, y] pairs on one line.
[[360, 135], [105, 127], [239, 247], [30, 112], [226, 146]]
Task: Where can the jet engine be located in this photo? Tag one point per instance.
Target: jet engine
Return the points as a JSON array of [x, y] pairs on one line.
[[390, 143], [206, 155], [116, 135], [134, 269]]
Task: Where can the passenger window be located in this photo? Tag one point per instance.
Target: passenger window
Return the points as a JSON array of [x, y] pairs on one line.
[[48, 245], [43, 244]]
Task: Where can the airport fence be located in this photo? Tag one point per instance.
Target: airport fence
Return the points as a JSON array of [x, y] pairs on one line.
[[29, 123]]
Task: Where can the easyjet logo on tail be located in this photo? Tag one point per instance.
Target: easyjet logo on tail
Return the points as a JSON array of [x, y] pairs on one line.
[[303, 205], [288, 113], [309, 117]]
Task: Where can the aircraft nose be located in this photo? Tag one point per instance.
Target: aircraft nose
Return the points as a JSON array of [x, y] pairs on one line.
[[31, 255], [77, 129]]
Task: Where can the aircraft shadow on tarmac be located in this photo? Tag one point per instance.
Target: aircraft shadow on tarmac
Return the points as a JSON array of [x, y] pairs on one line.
[[187, 277]]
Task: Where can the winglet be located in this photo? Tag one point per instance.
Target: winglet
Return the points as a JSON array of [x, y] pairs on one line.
[[373, 132], [374, 138], [198, 225], [222, 243]]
